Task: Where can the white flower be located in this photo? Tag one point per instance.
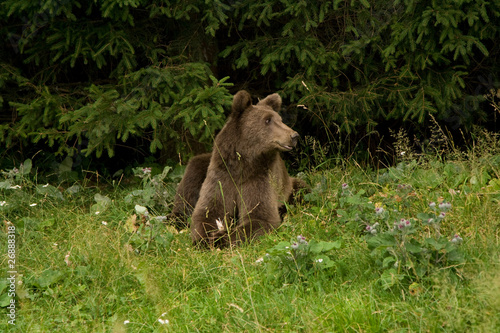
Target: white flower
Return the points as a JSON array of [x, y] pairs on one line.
[[104, 223], [3, 203], [319, 260], [15, 187], [97, 213], [146, 170], [163, 321], [33, 205], [220, 225], [46, 185], [258, 261], [125, 322]]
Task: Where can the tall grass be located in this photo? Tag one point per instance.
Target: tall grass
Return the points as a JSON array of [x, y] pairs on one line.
[[78, 271]]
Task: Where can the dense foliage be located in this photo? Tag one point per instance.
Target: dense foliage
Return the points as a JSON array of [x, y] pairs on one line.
[[85, 76]]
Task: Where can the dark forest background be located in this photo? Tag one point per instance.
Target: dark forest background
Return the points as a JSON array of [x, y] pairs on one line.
[[123, 81]]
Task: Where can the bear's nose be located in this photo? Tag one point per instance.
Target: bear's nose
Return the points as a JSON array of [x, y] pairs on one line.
[[295, 138]]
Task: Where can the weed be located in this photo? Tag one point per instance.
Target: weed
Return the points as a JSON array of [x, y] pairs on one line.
[[288, 262]]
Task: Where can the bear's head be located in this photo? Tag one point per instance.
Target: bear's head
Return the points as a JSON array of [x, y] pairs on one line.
[[259, 126]]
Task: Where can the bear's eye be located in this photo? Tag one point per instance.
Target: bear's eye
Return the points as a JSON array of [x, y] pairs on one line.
[[268, 121]]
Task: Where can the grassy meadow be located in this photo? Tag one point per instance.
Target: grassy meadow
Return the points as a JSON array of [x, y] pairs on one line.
[[410, 248]]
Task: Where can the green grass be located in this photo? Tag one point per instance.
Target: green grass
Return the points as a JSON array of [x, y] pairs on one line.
[[105, 281]]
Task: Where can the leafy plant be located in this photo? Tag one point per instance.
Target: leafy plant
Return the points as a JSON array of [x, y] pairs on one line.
[[157, 191], [299, 260], [146, 233], [409, 251]]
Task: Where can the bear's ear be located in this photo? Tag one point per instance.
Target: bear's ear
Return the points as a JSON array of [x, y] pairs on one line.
[[241, 101], [273, 101]]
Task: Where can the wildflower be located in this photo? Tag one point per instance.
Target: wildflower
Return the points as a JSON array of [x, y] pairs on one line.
[[33, 205], [163, 321], [431, 220], [258, 261], [379, 210], [444, 206], [295, 246], [220, 225], [301, 239], [15, 187], [319, 260], [146, 170], [402, 187], [160, 218], [432, 204], [441, 216], [402, 224], [372, 228], [97, 212], [125, 322], [46, 185], [104, 223], [3, 203], [345, 186], [457, 239]]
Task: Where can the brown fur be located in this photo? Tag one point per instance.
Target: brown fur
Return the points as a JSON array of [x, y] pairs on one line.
[[188, 190], [246, 183]]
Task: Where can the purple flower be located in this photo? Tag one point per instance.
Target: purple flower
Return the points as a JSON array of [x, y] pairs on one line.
[[402, 224], [379, 210], [301, 239], [432, 204], [445, 206], [457, 239], [345, 186]]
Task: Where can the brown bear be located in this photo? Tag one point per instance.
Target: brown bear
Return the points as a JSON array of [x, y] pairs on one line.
[[245, 183]]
